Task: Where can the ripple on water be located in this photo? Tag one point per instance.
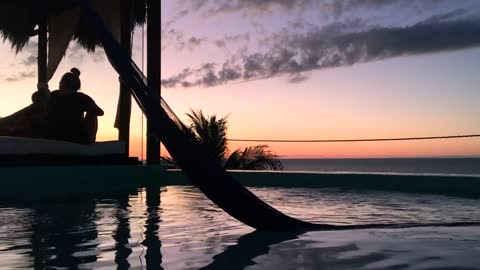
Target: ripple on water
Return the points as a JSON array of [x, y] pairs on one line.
[[179, 228]]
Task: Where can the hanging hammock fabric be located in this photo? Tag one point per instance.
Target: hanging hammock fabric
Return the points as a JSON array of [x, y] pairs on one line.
[[195, 159], [61, 30]]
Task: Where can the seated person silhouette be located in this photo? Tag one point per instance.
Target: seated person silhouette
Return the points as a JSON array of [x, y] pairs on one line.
[[72, 116], [31, 121]]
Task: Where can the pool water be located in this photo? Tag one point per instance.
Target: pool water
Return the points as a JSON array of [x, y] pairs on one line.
[[176, 227]]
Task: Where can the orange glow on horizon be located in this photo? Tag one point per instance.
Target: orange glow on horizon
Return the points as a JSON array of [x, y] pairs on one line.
[[400, 97], [403, 149]]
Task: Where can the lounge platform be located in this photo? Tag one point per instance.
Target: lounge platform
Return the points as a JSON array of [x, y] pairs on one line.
[[18, 151]]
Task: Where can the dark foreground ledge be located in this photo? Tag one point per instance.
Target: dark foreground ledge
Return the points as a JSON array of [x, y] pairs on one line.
[[61, 182], [450, 185]]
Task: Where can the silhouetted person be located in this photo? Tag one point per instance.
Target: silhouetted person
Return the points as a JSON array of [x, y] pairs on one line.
[[37, 118], [31, 121], [72, 116]]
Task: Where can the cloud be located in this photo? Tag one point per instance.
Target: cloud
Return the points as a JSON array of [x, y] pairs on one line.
[[98, 56], [227, 39], [30, 54], [76, 54], [21, 76], [31, 47], [30, 60], [334, 8], [173, 36], [193, 42], [178, 15], [189, 43], [338, 8], [454, 14], [30, 51], [337, 44]]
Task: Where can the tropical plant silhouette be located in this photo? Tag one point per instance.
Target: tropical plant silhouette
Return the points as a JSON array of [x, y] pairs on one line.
[[211, 131]]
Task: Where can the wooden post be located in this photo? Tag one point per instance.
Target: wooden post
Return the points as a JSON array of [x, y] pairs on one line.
[[153, 71], [124, 99], [42, 51]]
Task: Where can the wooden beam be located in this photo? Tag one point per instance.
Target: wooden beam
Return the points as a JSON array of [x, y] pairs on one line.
[[42, 51], [153, 69], [34, 32]]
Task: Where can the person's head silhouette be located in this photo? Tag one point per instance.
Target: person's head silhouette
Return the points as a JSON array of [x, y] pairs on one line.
[[70, 81]]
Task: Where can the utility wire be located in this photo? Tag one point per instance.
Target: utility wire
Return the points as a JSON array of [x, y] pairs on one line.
[[143, 67], [359, 140]]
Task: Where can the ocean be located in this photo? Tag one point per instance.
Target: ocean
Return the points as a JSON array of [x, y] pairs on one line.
[[460, 166]]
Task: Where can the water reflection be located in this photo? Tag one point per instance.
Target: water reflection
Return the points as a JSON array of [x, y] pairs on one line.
[[153, 256], [178, 228], [122, 232], [66, 234], [247, 248], [124, 239], [288, 251], [63, 235]]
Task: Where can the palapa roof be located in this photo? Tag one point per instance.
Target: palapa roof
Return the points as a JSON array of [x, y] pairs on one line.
[[19, 18]]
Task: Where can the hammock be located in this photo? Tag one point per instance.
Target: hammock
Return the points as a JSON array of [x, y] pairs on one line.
[[195, 160], [29, 122]]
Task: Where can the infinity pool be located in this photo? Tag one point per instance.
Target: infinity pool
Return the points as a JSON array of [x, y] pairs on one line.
[[178, 228]]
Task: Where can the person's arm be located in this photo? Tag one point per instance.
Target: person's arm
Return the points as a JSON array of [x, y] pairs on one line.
[[97, 110], [92, 107], [42, 94]]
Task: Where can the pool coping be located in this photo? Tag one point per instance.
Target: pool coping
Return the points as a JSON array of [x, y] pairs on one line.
[[47, 182]]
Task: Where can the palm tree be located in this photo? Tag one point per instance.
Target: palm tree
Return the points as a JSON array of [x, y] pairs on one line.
[[212, 132]]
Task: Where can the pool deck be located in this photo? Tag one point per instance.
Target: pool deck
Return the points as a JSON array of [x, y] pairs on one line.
[[60, 182]]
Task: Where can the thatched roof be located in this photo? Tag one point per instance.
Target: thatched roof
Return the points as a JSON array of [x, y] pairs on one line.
[[19, 18]]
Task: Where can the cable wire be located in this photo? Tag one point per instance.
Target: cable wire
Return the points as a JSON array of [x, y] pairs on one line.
[[143, 67], [359, 140]]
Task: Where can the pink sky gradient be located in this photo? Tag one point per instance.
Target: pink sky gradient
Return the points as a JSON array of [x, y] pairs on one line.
[[425, 95]]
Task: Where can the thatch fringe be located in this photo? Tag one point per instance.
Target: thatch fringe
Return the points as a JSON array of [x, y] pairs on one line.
[[19, 18]]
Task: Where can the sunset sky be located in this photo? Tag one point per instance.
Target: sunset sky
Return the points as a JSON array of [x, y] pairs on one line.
[[301, 69]]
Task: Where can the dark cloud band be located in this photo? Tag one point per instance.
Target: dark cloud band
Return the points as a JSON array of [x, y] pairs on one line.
[[334, 8], [333, 46]]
